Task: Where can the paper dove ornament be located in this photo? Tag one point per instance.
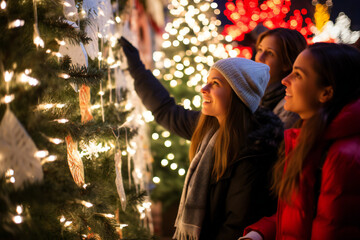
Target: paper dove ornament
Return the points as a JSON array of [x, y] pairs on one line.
[[17, 152]]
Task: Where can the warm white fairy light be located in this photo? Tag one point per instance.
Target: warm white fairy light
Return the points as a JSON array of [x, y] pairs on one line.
[[165, 134], [181, 172], [148, 116], [124, 153], [87, 204], [123, 225], [64, 75], [170, 156], [50, 158], [67, 223], [8, 98], [8, 76], [109, 215], [62, 219], [37, 39], [60, 42], [41, 153], [167, 143], [56, 140], [155, 136], [197, 101], [60, 105], [16, 23], [3, 4], [95, 106], [12, 180], [48, 51], [187, 104], [189, 70], [63, 120], [173, 166], [30, 80], [179, 66], [17, 219], [156, 179], [19, 209], [101, 93], [156, 72], [164, 162], [118, 19], [9, 173], [178, 74]]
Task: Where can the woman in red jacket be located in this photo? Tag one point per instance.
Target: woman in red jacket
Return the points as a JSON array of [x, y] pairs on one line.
[[318, 180]]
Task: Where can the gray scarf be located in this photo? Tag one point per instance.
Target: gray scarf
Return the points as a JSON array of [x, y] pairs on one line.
[[195, 191]]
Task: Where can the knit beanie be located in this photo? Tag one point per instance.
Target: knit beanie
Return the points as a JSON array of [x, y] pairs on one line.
[[247, 78]]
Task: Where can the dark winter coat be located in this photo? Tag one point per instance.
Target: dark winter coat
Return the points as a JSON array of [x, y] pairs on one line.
[[337, 201], [242, 195]]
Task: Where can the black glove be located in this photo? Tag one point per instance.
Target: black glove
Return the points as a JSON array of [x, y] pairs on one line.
[[132, 55]]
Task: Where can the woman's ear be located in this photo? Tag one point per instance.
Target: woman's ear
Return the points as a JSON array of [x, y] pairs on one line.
[[326, 94]]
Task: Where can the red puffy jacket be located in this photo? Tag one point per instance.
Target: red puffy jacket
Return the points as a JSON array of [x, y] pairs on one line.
[[338, 204]]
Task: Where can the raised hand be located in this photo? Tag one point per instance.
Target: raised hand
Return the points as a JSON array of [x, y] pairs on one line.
[[131, 53]]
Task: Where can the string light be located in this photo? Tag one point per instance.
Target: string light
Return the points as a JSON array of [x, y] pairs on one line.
[[8, 98], [17, 219], [156, 179], [3, 4], [170, 156], [63, 120], [173, 166], [41, 154], [181, 172], [167, 143], [19, 209], [164, 162], [16, 23]]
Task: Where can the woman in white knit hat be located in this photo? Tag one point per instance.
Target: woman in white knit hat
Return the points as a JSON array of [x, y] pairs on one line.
[[233, 146]]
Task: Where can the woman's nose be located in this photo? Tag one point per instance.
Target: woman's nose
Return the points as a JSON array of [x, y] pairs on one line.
[[260, 57], [205, 88], [286, 80]]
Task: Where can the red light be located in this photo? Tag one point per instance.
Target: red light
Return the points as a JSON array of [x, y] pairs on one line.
[[303, 11], [296, 12], [284, 10], [255, 17], [263, 6], [307, 20], [230, 6], [293, 23], [252, 25]]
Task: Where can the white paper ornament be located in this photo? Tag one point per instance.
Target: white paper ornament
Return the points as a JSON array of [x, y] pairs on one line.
[[76, 165], [77, 53], [17, 151], [119, 180]]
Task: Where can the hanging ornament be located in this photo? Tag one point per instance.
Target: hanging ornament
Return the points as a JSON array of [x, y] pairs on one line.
[[84, 100], [77, 53], [18, 152], [76, 165], [119, 180]]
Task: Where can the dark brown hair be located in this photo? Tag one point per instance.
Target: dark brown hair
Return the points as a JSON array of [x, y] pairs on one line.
[[232, 135], [291, 43], [336, 65]]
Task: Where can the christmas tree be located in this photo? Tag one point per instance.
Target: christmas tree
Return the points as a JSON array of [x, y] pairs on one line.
[[69, 133]]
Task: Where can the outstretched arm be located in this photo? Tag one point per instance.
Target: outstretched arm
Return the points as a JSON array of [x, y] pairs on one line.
[[156, 98]]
